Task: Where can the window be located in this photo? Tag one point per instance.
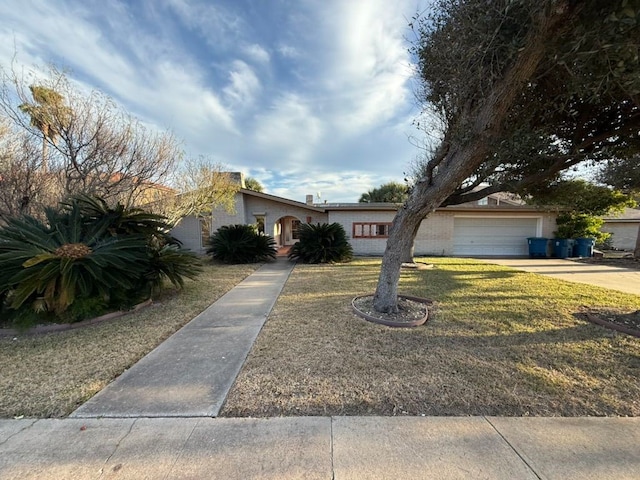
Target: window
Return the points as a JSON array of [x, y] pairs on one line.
[[205, 232], [260, 221], [483, 201], [295, 225], [371, 230]]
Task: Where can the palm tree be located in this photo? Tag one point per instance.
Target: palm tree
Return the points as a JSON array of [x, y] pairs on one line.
[[391, 192], [253, 184], [45, 115]]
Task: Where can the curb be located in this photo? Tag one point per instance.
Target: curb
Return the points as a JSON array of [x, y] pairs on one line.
[[63, 327]]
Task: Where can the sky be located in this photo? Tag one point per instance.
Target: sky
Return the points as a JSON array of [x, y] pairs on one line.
[[307, 96]]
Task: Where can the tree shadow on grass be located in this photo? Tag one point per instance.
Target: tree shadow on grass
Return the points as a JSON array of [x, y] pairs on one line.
[[565, 335]]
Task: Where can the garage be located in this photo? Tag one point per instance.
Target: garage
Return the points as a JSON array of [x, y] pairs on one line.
[[500, 236]]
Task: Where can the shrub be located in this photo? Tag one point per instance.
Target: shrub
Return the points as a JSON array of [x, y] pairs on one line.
[[321, 243], [580, 225], [82, 261], [172, 263], [241, 244], [47, 267]]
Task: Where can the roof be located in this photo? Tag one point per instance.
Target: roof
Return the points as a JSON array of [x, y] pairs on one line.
[[628, 215], [463, 207], [506, 206], [286, 201]]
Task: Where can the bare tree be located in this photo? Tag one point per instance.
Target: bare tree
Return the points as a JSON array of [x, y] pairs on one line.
[[24, 188], [90, 144], [202, 186]]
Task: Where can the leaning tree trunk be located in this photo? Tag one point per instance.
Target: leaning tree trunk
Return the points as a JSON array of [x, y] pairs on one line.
[[407, 255], [636, 251], [459, 158]]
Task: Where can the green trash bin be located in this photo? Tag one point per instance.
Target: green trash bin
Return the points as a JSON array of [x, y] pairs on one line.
[[562, 247], [584, 247], [538, 247]]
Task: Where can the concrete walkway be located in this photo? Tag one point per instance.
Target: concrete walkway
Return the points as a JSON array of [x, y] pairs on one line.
[[190, 374], [341, 448], [621, 279], [155, 421]]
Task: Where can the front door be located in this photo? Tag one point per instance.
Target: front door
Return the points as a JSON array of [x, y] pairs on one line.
[[290, 230]]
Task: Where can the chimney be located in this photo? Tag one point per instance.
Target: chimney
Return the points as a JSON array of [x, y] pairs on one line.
[[237, 177], [309, 199]]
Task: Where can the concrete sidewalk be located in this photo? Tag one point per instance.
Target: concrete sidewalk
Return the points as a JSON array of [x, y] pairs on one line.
[[341, 448], [621, 279], [190, 374]]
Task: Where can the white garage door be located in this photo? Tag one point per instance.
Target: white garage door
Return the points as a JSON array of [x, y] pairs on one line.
[[493, 236]]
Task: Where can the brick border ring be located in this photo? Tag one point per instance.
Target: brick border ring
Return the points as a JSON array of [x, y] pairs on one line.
[[64, 327], [391, 323], [611, 325]]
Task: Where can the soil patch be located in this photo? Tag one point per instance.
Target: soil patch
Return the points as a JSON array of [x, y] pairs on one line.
[[615, 319], [412, 311]]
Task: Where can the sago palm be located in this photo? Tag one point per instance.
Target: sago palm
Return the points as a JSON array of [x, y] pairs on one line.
[[321, 243], [46, 266]]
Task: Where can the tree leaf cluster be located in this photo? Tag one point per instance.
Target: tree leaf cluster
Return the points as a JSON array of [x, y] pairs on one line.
[[391, 192], [522, 93], [580, 106], [582, 197]]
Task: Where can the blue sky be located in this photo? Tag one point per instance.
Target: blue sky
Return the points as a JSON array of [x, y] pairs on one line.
[[307, 96]]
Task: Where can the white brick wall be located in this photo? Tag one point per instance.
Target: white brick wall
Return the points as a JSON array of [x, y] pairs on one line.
[[624, 234], [221, 217], [188, 232], [362, 246], [435, 236]]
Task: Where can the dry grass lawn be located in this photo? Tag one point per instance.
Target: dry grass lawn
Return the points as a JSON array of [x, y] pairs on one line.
[[499, 342], [50, 375]]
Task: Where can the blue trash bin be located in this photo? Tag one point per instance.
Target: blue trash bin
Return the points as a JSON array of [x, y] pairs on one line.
[[538, 247], [584, 247], [562, 247]]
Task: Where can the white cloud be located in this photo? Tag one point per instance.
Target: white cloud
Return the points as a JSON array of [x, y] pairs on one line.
[[172, 91], [219, 26], [318, 102], [243, 84], [288, 51], [290, 131], [367, 68], [257, 53], [341, 187]]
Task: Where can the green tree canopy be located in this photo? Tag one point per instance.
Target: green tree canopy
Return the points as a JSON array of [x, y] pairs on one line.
[[520, 90], [253, 184], [391, 192], [622, 173], [582, 205], [580, 196]]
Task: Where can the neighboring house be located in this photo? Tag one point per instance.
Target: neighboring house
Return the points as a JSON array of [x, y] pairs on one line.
[[498, 225], [624, 228]]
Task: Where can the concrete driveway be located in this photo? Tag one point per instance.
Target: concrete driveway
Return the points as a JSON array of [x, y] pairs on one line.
[[614, 278]]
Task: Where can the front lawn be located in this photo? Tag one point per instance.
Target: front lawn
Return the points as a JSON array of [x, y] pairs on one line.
[[499, 342], [50, 375]]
